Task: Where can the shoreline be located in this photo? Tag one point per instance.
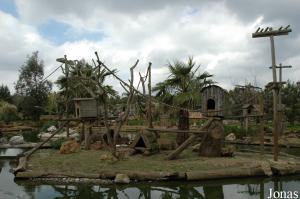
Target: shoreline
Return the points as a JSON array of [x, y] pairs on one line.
[[242, 166]]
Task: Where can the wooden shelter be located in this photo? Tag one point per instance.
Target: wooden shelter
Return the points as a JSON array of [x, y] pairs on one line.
[[251, 112], [86, 108], [213, 100], [145, 142]]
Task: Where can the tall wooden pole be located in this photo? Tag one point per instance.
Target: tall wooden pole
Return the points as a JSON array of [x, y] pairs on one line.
[[269, 32], [67, 94], [280, 112], [275, 100], [149, 111], [261, 125]]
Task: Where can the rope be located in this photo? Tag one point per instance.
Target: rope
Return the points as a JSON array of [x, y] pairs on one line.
[[51, 73]]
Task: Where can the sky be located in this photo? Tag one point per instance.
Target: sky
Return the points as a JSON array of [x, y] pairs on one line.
[[217, 33]]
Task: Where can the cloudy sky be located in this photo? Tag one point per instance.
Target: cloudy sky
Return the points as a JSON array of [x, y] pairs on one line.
[[217, 33]]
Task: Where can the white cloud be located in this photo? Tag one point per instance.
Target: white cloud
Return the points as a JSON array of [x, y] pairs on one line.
[[158, 32]]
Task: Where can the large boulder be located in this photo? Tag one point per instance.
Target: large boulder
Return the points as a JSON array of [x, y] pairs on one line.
[[122, 178], [15, 140], [230, 137], [51, 129], [70, 146]]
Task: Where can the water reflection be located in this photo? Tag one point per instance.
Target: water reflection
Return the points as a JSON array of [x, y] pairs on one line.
[[239, 188], [257, 188]]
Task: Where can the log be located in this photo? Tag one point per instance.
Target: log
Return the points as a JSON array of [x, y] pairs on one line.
[[186, 143], [183, 146], [23, 160], [211, 145], [29, 153], [225, 173]]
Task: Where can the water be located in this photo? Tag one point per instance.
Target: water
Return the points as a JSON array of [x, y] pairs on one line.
[[248, 188]]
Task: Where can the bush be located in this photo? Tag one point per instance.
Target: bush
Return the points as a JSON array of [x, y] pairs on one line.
[[56, 144], [8, 112], [135, 122], [239, 131], [31, 136]]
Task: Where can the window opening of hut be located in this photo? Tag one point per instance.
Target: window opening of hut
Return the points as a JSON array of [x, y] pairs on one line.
[[211, 104]]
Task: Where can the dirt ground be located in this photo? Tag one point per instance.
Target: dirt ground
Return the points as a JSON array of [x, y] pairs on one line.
[[50, 161]]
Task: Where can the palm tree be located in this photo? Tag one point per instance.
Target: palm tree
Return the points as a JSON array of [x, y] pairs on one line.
[[182, 88]]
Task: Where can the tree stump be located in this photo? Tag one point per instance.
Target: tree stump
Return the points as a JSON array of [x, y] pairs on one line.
[[212, 141], [183, 124]]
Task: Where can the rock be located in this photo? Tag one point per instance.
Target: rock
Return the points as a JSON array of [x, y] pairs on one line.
[[70, 146], [122, 178], [3, 140], [51, 129], [96, 146], [15, 140], [228, 151], [230, 137]]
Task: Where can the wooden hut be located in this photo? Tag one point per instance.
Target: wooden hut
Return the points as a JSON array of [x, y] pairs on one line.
[[251, 113], [145, 142], [86, 108], [213, 100]]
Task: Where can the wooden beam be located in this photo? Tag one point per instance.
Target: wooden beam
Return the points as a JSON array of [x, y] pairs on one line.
[[163, 130]]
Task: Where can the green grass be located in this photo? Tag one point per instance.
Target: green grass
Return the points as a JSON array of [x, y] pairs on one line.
[[49, 160]]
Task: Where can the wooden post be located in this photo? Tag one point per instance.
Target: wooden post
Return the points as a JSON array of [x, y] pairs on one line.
[[275, 101], [87, 136], [280, 114], [149, 110], [261, 125], [82, 136], [269, 32], [67, 94]]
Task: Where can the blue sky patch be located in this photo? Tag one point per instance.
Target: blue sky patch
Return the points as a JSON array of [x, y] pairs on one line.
[[59, 33], [9, 6]]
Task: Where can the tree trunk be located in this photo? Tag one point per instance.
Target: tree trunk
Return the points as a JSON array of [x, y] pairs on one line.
[[183, 124], [211, 145]]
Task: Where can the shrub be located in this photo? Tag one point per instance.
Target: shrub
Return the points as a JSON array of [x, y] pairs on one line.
[[31, 136], [56, 144], [239, 131], [8, 112]]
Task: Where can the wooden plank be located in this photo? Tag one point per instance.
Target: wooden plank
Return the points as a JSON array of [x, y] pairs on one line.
[[163, 130]]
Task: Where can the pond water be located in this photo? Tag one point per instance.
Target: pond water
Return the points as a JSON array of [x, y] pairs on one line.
[[248, 188]]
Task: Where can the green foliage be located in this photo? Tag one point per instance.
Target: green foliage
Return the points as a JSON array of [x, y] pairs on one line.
[[31, 136], [8, 112], [82, 80], [5, 94], [291, 100], [136, 122], [32, 86], [240, 96], [56, 144], [239, 131], [52, 105], [183, 85]]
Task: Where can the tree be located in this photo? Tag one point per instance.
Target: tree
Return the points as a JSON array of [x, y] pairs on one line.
[[5, 93], [182, 88], [8, 112], [83, 80], [291, 100], [32, 86]]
